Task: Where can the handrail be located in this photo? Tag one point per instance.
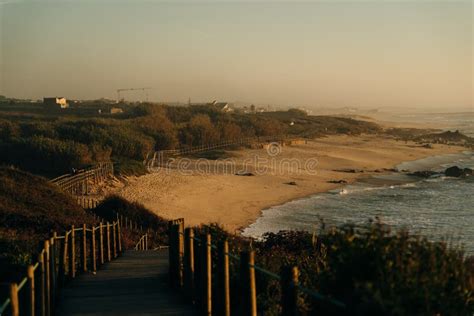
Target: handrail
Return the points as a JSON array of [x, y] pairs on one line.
[[149, 161], [110, 238], [142, 243], [77, 184], [182, 267], [4, 305], [277, 277]]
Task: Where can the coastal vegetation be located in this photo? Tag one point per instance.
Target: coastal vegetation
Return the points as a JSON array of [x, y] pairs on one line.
[[52, 144], [30, 209], [371, 269]]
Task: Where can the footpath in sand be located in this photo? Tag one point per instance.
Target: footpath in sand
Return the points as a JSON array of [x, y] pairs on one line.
[[284, 174]]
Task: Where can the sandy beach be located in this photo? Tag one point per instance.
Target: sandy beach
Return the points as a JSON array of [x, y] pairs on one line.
[[279, 175]]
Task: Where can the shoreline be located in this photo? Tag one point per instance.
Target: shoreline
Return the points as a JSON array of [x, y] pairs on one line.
[[376, 181], [235, 202], [366, 178]]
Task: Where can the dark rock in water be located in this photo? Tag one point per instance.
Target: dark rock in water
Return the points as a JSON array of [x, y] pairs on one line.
[[245, 174], [342, 181], [457, 172], [423, 174], [291, 183]]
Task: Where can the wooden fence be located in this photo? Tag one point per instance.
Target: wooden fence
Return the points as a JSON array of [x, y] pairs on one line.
[[78, 182], [37, 292], [190, 269], [156, 158], [142, 243], [87, 202]]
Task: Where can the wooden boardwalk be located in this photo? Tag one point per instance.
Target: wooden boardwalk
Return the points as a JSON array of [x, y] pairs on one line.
[[134, 284]]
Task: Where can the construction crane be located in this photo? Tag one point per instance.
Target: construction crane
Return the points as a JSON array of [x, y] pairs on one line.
[[133, 89]]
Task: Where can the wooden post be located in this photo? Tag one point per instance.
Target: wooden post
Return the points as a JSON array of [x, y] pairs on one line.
[[289, 291], [146, 241], [84, 248], [197, 245], [171, 252], [15, 306], [206, 270], [52, 269], [47, 278], [247, 282], [93, 251], [189, 263], [62, 268], [30, 273], [101, 243], [72, 256], [109, 256], [42, 285], [119, 237], [114, 239], [180, 241], [223, 278]]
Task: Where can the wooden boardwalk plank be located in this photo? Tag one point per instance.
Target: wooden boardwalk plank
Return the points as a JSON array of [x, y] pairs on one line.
[[134, 284]]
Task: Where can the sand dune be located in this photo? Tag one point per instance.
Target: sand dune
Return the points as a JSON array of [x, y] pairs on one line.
[[236, 201]]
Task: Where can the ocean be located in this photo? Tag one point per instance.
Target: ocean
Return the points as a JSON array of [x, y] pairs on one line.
[[440, 208]]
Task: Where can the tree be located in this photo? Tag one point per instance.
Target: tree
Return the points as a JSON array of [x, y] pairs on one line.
[[201, 131]]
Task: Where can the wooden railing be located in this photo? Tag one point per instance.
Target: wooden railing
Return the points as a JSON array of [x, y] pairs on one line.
[[196, 280], [78, 182], [142, 243], [37, 292], [154, 159]]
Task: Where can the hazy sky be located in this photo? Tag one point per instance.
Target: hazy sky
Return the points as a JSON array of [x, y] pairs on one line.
[[353, 53]]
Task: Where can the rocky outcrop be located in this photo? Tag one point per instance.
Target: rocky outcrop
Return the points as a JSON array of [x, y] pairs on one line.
[[342, 181], [457, 172], [423, 174]]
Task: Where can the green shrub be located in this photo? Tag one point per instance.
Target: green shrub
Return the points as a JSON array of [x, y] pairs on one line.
[[30, 209], [157, 226]]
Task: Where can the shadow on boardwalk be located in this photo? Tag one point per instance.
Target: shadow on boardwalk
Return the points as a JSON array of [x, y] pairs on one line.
[[134, 284]]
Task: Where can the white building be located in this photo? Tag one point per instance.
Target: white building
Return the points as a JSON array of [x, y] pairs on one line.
[[56, 101]]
